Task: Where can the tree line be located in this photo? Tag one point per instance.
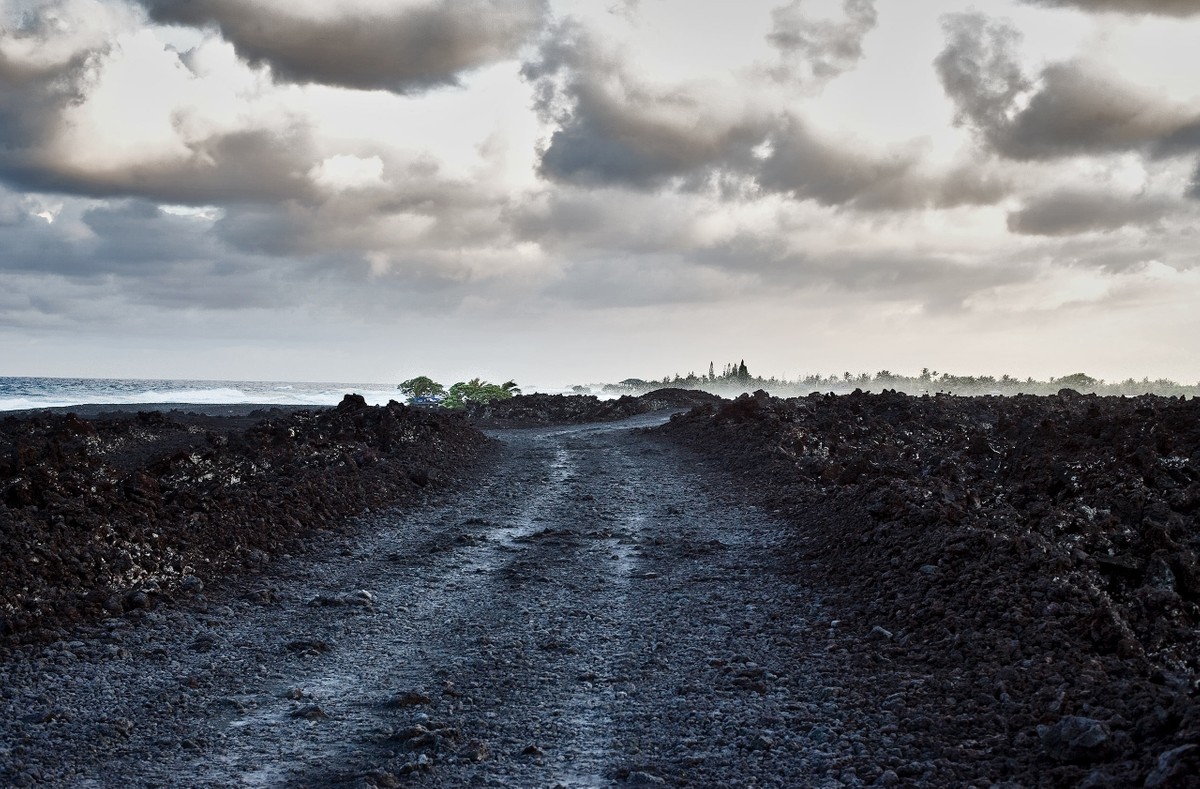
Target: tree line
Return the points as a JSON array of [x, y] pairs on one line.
[[737, 377]]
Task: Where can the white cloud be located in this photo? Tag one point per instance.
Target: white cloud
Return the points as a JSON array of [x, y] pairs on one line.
[[344, 171]]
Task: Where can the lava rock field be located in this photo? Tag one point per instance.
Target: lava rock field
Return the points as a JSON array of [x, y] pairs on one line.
[[101, 516], [1029, 563]]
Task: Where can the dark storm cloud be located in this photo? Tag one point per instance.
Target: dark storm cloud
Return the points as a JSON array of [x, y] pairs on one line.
[[1068, 110], [807, 167], [248, 164], [239, 166], [1180, 8], [1072, 212], [456, 214], [31, 96], [402, 50], [614, 130], [1077, 112], [133, 253], [1183, 140], [607, 141], [123, 236], [819, 49], [136, 249], [979, 70]]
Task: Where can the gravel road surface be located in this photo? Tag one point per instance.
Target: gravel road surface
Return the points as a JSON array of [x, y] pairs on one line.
[[597, 611]]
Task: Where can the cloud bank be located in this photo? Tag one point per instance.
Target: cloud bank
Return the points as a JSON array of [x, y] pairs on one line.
[[367, 46], [507, 160], [1069, 109], [1178, 8]]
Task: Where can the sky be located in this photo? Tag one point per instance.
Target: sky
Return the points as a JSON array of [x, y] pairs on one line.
[[573, 192]]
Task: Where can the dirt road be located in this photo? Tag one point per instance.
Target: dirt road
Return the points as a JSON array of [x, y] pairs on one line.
[[596, 612]]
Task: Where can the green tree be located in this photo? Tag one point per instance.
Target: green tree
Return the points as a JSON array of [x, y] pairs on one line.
[[478, 391], [421, 386], [1080, 382]]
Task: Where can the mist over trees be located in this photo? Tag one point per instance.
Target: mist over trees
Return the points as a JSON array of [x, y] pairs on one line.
[[736, 378]]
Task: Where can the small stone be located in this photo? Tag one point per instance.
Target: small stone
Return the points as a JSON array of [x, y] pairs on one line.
[[307, 646], [359, 597], [190, 584], [533, 750], [421, 765], [1158, 572], [879, 634], [761, 743], [1074, 738], [311, 712], [888, 778], [382, 779], [411, 698], [476, 751], [264, 596], [138, 599]]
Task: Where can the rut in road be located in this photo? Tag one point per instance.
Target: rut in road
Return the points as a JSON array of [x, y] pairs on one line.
[[597, 611]]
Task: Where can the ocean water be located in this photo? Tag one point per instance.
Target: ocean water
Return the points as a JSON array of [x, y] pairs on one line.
[[22, 393]]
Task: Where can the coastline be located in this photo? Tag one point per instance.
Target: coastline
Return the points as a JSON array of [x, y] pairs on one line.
[[101, 410]]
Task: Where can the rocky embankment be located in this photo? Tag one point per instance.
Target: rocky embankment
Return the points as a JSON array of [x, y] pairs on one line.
[[1029, 564], [105, 515], [535, 410]]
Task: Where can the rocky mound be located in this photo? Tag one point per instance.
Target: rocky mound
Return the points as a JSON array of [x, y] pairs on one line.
[[1028, 563], [533, 410], [111, 514]]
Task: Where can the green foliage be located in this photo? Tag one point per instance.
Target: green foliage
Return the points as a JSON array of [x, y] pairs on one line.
[[478, 391], [421, 386], [1078, 381]]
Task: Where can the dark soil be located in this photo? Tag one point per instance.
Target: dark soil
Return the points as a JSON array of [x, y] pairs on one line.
[[1028, 566], [535, 410], [122, 511]]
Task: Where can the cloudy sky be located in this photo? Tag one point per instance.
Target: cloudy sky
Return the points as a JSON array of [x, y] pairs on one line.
[[566, 192]]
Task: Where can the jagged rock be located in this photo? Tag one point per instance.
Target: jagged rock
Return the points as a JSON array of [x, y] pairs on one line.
[[1175, 767], [1074, 738], [123, 511]]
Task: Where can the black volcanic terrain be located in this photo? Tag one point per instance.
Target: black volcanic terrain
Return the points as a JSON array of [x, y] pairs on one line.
[[848, 590]]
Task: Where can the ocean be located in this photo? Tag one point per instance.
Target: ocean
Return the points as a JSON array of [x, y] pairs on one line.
[[23, 393]]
